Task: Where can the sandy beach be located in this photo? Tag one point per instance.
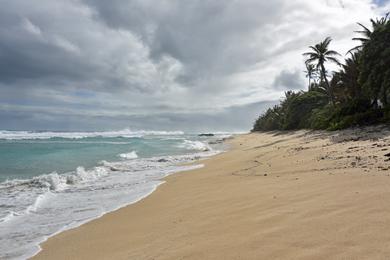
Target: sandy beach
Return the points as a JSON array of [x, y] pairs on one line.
[[281, 195]]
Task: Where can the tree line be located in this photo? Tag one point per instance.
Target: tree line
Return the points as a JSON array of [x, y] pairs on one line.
[[357, 94]]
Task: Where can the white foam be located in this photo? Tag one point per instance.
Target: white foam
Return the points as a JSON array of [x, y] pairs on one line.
[[9, 216], [53, 181], [126, 133], [82, 175], [48, 204], [195, 145], [38, 201], [131, 155], [58, 182]]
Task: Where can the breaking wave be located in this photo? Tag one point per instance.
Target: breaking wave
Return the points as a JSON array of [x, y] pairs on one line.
[[41, 205], [126, 133], [195, 145], [132, 155], [34, 209], [55, 181]]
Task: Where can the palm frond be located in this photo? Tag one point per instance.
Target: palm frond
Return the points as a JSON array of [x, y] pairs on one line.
[[310, 54], [332, 53], [361, 39], [327, 41], [356, 48], [310, 61], [314, 48], [334, 60], [366, 30]]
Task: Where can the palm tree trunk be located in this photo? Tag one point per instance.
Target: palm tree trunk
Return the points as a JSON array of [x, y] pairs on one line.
[[384, 97], [330, 91]]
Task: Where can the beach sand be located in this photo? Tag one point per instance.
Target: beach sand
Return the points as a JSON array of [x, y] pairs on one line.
[[282, 195]]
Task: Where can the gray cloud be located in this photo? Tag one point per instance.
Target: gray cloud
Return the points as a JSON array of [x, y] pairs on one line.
[[97, 64], [211, 38], [289, 80], [236, 118]]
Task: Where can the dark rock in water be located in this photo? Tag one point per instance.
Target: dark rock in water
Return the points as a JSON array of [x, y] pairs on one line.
[[113, 169], [206, 135], [162, 160]]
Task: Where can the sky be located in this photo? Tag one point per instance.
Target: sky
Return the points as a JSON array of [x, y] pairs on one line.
[[205, 65]]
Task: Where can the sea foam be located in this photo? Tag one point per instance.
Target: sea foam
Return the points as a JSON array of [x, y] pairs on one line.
[[40, 207], [126, 133], [131, 155], [195, 145]]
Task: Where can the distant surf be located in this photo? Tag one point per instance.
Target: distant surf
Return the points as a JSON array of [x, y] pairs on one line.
[[126, 133]]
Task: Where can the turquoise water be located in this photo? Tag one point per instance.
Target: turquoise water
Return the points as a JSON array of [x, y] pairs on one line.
[[27, 158], [53, 181]]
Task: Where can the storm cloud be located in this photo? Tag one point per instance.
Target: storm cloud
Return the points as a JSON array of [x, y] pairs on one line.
[[170, 64]]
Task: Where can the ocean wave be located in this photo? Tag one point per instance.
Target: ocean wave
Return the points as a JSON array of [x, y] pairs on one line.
[[38, 201], [33, 209], [195, 145], [50, 184], [9, 216], [43, 187], [55, 181], [144, 164], [125, 133], [131, 155]]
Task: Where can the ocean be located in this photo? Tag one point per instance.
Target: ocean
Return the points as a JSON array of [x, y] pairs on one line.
[[54, 181]]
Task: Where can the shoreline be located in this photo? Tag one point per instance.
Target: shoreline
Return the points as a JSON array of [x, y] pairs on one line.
[[295, 195], [71, 227], [61, 201], [191, 166], [195, 166]]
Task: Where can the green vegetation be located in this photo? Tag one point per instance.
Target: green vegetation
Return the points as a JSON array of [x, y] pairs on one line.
[[358, 94]]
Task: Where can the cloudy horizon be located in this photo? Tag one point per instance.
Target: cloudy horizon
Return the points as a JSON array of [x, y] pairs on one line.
[[166, 65]]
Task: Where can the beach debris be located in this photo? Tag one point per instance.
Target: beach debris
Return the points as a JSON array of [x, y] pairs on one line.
[[300, 148]]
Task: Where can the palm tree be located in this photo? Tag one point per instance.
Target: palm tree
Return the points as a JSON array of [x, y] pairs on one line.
[[311, 72], [367, 33], [350, 74], [320, 55]]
